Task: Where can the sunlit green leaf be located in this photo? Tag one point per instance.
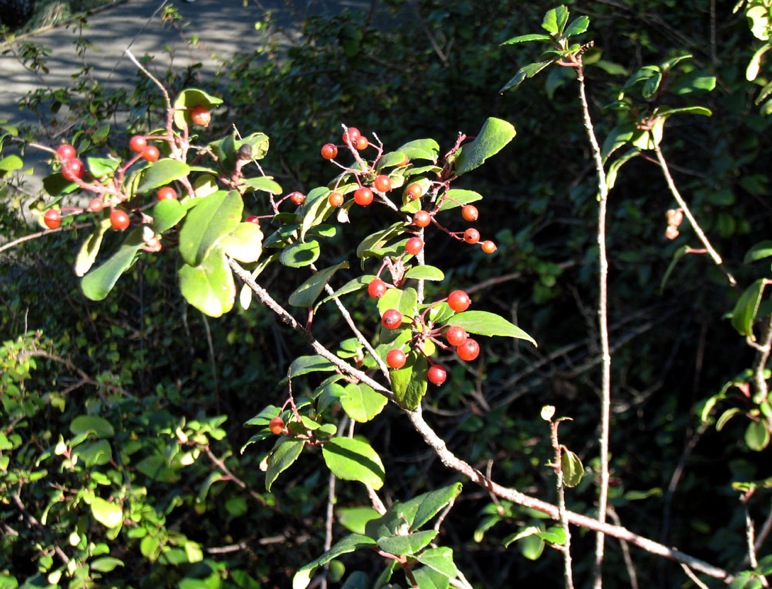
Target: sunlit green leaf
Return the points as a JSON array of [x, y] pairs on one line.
[[494, 135], [572, 468], [214, 217], [98, 283], [282, 457], [353, 459], [209, 286], [490, 324]]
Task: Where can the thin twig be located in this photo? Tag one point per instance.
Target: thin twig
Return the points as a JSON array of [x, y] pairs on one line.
[[688, 214], [561, 491], [693, 577], [451, 461], [629, 565], [602, 326]]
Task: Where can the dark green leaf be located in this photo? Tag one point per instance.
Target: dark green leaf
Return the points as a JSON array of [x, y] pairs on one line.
[[577, 26], [281, 458], [527, 38], [350, 543], [440, 559], [406, 544], [572, 468], [307, 364], [306, 294], [744, 313], [409, 383]]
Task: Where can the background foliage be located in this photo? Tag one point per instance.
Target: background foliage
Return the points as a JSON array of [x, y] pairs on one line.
[[176, 388]]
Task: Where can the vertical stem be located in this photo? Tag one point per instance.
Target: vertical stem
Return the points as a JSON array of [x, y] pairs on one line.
[[561, 489], [602, 327]]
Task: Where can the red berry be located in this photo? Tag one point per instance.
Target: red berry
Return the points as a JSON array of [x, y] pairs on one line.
[[455, 335], [66, 152], [200, 115], [73, 169], [396, 358], [252, 219], [151, 153], [137, 143], [391, 319], [119, 219], [351, 135], [362, 143], [414, 245], [52, 218], [329, 151], [459, 301], [96, 205], [382, 183], [414, 191], [336, 199], [166, 193], [471, 236], [488, 246], [377, 288], [363, 196], [297, 198], [422, 218], [468, 350], [436, 374], [276, 426], [470, 213]]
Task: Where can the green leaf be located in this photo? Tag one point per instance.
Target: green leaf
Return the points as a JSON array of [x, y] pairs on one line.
[[167, 213], [157, 468], [726, 416], [391, 159], [456, 197], [572, 468], [355, 519], [744, 313], [214, 217], [411, 515], [407, 544], [105, 564], [403, 300], [425, 273], [439, 559], [209, 287], [244, 244], [490, 324], [306, 294], [300, 254], [92, 424], [555, 20], [110, 515], [421, 149], [162, 173], [88, 251], [577, 26], [677, 255], [10, 163], [757, 436], [94, 453], [378, 239], [350, 543], [428, 578], [264, 184], [527, 38], [494, 135], [352, 459], [284, 454], [409, 382], [758, 252], [98, 283], [360, 402], [189, 98]]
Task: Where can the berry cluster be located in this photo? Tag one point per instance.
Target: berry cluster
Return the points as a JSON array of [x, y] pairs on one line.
[[112, 193]]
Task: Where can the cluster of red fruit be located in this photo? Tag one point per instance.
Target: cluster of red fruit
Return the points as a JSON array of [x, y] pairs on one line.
[[363, 196], [466, 348]]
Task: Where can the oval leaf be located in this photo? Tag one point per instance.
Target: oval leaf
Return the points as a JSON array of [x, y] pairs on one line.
[[90, 248], [744, 313], [490, 324], [572, 468], [245, 244], [282, 457], [409, 383], [300, 254], [214, 217], [98, 283], [425, 273], [493, 136], [360, 402], [161, 173], [108, 514], [757, 436], [354, 460], [209, 287]]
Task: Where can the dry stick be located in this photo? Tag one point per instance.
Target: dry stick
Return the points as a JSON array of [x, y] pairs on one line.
[[688, 214], [602, 326], [451, 461], [625, 550]]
